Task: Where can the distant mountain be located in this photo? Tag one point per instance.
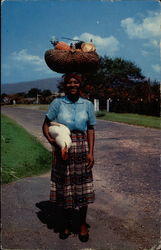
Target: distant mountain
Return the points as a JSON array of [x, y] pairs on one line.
[[13, 88]]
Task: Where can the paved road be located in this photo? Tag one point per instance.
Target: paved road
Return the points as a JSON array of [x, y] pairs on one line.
[[125, 215]]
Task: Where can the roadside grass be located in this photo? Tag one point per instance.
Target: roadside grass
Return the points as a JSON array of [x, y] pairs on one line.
[[133, 119], [22, 155]]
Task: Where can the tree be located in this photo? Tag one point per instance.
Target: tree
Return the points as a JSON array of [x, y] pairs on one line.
[[123, 82], [33, 92], [3, 97], [21, 94], [121, 71], [46, 92], [113, 73]]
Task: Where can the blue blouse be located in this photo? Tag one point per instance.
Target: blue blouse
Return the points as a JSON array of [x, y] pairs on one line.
[[75, 115]]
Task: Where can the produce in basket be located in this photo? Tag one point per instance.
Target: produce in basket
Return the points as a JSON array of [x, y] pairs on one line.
[[62, 46], [88, 47], [79, 58]]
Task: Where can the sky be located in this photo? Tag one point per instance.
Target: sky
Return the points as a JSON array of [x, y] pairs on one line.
[[129, 29]]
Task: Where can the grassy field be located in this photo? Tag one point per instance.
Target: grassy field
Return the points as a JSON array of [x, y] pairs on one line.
[[22, 154], [133, 119]]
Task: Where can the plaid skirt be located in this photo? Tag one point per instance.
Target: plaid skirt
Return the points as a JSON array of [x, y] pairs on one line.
[[71, 180]]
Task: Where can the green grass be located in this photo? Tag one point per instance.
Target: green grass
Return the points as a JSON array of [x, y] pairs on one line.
[[133, 119], [22, 154]]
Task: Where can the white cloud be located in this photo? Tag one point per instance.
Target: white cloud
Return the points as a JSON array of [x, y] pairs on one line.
[[152, 43], [148, 28], [156, 68], [24, 58], [104, 45]]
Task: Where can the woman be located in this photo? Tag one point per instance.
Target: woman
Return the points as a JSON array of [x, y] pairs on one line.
[[71, 180]]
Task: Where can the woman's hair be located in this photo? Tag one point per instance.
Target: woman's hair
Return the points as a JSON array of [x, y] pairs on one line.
[[76, 76]]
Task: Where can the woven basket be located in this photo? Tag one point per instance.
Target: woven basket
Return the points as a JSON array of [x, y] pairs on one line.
[[63, 61]]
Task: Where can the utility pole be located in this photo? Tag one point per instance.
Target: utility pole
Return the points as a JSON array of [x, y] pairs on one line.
[[37, 99], [96, 105]]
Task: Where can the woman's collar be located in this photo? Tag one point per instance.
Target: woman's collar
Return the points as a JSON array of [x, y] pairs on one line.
[[79, 101]]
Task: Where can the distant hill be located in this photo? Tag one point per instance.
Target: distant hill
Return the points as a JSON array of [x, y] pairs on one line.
[[13, 88]]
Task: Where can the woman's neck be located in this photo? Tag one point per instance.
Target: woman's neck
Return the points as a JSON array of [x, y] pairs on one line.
[[73, 98]]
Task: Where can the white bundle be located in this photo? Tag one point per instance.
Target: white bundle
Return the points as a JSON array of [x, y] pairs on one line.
[[61, 134]]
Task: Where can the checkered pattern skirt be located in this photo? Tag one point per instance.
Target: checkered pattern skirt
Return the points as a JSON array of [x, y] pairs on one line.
[[71, 180]]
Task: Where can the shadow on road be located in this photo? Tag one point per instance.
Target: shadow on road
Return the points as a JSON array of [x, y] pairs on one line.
[[54, 217]]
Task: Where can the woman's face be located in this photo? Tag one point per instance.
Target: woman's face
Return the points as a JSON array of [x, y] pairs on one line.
[[73, 86]]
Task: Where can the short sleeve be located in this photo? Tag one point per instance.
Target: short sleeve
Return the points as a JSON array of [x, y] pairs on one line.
[[91, 114], [53, 109]]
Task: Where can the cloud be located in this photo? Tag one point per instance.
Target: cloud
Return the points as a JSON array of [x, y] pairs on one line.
[[156, 68], [23, 56], [148, 28], [152, 43], [25, 59], [104, 45]]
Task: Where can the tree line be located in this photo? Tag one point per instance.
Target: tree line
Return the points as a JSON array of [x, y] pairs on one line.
[[34, 95], [121, 81]]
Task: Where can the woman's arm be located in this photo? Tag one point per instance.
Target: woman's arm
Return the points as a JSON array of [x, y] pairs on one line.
[[91, 141], [45, 129]]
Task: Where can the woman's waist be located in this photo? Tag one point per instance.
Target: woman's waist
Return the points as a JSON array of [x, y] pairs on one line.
[[78, 134], [77, 131]]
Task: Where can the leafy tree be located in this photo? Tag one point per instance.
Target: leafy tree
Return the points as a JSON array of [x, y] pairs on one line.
[[3, 95], [122, 71], [21, 94], [123, 82], [46, 92], [113, 73], [33, 92]]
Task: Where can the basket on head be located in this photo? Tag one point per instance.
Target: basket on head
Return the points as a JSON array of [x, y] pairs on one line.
[[63, 61]]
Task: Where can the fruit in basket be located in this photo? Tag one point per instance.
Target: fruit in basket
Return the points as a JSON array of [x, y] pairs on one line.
[[88, 47], [61, 45]]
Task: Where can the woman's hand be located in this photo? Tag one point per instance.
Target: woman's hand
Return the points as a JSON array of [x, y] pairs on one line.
[[90, 161], [90, 139], [51, 140]]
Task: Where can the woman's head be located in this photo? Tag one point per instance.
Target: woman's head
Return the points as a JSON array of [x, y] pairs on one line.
[[76, 76], [72, 83]]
